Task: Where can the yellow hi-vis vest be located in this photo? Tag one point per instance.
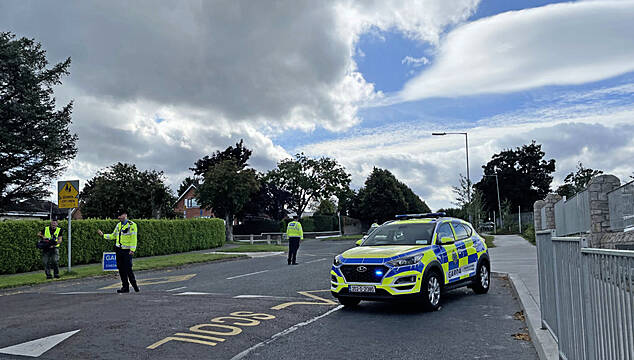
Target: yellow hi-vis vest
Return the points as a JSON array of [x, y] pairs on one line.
[[294, 229], [124, 235], [47, 234]]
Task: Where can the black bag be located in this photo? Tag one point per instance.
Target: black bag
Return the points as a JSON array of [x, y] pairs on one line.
[[43, 244]]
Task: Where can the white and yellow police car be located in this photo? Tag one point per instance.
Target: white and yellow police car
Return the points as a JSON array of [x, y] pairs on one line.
[[418, 256]]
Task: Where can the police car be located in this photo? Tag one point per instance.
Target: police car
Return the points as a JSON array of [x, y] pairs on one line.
[[417, 256]]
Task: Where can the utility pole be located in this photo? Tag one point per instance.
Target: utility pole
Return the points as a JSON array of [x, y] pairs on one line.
[[466, 143]]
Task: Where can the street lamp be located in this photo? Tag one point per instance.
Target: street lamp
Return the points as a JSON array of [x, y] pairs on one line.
[[466, 143], [497, 186]]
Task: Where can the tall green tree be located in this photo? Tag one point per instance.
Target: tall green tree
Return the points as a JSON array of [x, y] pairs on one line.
[[577, 181], [326, 207], [384, 196], [144, 194], [309, 179], [227, 188], [524, 177], [36, 143], [238, 154], [470, 201], [186, 183], [269, 200]]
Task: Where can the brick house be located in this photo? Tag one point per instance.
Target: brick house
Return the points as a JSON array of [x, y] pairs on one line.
[[188, 207]]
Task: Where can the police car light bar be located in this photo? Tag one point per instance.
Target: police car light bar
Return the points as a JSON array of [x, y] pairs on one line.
[[421, 216]]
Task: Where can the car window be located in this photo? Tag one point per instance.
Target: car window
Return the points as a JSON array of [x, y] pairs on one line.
[[461, 232], [444, 230], [401, 234]]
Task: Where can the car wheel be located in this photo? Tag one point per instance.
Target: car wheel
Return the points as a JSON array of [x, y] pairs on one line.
[[349, 302], [482, 280], [430, 291]]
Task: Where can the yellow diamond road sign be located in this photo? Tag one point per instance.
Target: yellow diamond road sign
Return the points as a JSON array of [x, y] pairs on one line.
[[68, 194]]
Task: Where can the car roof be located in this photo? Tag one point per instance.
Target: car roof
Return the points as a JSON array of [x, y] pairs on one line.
[[425, 221]]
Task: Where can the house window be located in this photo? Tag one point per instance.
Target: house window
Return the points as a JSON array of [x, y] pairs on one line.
[[191, 203]]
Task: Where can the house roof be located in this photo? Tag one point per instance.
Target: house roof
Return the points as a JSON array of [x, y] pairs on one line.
[[185, 192]]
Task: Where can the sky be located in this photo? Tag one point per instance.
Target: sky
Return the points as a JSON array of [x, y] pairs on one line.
[[161, 84]]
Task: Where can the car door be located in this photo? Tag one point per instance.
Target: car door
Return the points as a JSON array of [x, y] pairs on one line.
[[450, 257], [467, 254]]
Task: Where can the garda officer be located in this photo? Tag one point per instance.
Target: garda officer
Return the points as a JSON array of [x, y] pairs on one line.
[[374, 225], [294, 233], [125, 237], [50, 254]]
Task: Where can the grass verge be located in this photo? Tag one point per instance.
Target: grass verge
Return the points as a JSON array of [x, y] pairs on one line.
[[149, 263], [255, 248], [489, 240], [342, 238]]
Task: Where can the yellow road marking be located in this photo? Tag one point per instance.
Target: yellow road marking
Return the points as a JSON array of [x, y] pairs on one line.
[[321, 301], [170, 338], [155, 281]]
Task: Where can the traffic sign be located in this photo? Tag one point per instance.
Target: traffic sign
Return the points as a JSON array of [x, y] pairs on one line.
[[109, 261], [68, 194]]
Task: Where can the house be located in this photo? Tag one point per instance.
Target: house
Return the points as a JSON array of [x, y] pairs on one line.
[[33, 210], [188, 206]]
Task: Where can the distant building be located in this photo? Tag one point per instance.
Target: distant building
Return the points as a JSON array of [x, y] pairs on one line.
[[188, 207], [33, 210]]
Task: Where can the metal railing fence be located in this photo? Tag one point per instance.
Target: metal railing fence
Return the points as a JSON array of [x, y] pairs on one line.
[[586, 297], [572, 216], [621, 207]]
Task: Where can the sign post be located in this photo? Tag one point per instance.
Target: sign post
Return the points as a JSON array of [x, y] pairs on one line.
[[68, 198]]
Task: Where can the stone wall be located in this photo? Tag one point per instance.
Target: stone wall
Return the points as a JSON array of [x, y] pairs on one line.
[[618, 240], [537, 214], [598, 188]]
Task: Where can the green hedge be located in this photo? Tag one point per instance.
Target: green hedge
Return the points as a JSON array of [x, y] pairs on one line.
[[156, 237]]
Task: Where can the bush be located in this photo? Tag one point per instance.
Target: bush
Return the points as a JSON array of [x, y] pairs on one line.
[[156, 237], [529, 234]]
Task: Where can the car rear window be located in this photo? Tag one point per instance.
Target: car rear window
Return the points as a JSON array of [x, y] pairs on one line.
[[401, 234]]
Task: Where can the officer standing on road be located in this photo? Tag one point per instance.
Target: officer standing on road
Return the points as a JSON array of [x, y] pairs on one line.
[[125, 236], [294, 233], [50, 254]]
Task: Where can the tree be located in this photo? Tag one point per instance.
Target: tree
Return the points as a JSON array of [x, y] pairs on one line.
[[471, 206], [239, 154], [383, 197], [523, 174], [308, 179], [269, 201], [326, 207], [186, 183], [226, 188], [119, 187], [36, 143], [577, 182]]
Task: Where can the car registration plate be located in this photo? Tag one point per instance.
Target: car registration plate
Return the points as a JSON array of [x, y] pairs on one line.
[[362, 289]]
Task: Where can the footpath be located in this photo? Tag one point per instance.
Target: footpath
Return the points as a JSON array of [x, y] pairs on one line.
[[515, 256]]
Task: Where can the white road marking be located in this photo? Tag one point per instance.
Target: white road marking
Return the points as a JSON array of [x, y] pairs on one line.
[[312, 261], [263, 297], [35, 348], [249, 274], [195, 293], [82, 292], [285, 332], [178, 288]]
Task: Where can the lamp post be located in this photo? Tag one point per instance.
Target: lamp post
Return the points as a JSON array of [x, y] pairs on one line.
[[497, 186], [466, 143]]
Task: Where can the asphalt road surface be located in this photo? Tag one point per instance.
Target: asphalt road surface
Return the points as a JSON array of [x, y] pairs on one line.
[[262, 309]]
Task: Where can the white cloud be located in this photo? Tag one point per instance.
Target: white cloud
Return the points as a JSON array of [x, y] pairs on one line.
[[567, 43], [415, 62], [600, 136]]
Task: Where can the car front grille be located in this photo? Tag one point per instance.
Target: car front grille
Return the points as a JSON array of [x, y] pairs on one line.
[[352, 274]]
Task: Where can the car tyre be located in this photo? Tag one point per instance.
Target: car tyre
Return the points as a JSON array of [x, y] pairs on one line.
[[431, 290], [349, 302], [482, 281]]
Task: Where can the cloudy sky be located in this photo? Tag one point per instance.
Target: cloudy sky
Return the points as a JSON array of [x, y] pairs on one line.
[[162, 83]]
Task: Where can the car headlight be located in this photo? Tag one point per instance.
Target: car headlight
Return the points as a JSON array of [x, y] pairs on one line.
[[337, 261], [410, 260]]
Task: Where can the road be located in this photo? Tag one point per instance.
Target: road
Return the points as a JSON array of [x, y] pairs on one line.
[[262, 309]]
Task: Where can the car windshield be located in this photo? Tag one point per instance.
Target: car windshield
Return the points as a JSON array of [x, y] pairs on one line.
[[401, 234]]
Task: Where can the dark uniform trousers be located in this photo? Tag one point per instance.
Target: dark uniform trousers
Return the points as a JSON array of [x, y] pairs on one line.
[[124, 264], [293, 245]]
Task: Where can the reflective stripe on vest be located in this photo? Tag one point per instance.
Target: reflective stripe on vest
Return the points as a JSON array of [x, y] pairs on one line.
[[47, 233]]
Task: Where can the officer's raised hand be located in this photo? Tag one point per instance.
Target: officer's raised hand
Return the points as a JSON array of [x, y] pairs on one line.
[[100, 232]]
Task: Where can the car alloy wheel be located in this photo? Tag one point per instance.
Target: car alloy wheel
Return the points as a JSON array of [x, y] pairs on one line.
[[433, 290], [484, 277]]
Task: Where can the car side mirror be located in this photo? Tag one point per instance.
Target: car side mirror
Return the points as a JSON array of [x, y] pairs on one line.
[[446, 240], [359, 242]]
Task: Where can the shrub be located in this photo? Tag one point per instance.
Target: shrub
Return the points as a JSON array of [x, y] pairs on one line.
[[156, 237]]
